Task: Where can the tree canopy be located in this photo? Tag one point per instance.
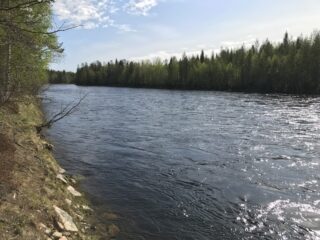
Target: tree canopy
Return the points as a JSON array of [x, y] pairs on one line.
[[292, 66], [27, 45]]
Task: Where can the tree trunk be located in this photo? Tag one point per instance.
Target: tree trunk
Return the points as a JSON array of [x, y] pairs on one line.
[[6, 55]]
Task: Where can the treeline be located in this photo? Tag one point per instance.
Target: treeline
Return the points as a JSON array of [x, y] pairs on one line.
[[292, 66], [27, 45], [61, 77]]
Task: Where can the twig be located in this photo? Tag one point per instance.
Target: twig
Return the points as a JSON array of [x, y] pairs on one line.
[[66, 111]]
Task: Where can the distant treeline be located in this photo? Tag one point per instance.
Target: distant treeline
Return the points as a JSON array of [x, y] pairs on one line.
[[61, 77], [292, 66]]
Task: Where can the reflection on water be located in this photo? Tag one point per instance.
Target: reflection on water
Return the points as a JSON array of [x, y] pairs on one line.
[[195, 165]]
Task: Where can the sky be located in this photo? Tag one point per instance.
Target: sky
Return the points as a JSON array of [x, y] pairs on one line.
[[147, 29]]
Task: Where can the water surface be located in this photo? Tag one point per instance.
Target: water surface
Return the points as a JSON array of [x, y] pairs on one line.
[[195, 165]]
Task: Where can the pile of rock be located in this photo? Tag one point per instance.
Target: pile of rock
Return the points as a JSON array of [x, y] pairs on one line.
[[64, 225]]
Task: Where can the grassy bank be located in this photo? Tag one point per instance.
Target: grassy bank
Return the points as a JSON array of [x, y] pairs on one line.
[[33, 187]]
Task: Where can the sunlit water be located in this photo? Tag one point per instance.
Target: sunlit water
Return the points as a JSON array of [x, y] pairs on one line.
[[195, 165]]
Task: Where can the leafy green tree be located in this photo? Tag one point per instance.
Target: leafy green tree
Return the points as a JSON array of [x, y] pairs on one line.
[[27, 45]]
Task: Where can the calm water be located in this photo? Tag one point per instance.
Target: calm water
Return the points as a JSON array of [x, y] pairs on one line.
[[195, 165]]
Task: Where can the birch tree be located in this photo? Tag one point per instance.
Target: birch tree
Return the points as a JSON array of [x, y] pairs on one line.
[[28, 43]]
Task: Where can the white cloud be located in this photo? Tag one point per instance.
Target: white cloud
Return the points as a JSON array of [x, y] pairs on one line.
[[124, 28], [89, 14], [237, 44], [166, 55], [140, 7]]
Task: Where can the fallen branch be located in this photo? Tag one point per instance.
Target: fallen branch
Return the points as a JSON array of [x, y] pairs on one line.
[[66, 111]]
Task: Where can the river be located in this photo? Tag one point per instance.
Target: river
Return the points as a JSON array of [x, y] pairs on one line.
[[194, 164]]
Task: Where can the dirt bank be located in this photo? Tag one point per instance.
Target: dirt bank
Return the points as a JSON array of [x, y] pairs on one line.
[[38, 200]]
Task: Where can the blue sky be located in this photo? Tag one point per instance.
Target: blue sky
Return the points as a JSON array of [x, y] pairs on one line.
[[146, 29]]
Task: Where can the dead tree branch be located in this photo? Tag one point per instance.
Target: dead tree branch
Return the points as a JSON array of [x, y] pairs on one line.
[[64, 112]]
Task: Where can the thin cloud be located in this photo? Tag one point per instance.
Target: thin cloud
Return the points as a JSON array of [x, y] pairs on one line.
[[89, 14], [166, 55], [236, 44], [124, 28], [140, 7]]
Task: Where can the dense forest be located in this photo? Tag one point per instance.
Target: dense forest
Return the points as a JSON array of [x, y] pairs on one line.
[[61, 77], [292, 66], [27, 44]]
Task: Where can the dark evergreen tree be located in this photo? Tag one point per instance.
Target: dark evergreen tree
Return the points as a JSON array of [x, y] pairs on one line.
[[292, 66]]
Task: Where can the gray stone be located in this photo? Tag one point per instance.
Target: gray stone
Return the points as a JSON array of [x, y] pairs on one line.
[[66, 220], [47, 231], [60, 226], [79, 216], [42, 226], [57, 235], [47, 145], [68, 201], [87, 208], [73, 191], [62, 178]]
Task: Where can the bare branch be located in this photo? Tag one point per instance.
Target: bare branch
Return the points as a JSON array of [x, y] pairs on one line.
[[48, 33], [65, 111]]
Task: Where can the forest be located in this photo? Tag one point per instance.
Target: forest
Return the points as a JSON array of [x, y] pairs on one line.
[[61, 77], [291, 66], [28, 43]]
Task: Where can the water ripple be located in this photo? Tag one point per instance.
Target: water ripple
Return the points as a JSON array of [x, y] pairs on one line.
[[195, 165]]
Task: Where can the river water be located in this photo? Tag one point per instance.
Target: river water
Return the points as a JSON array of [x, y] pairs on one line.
[[194, 165]]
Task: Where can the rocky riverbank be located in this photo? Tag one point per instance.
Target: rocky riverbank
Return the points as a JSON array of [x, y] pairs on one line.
[[38, 199]]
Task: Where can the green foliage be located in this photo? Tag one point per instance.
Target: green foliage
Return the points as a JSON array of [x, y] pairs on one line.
[[292, 66], [26, 46], [60, 77]]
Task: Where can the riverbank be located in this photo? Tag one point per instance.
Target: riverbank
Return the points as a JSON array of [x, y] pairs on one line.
[[38, 199]]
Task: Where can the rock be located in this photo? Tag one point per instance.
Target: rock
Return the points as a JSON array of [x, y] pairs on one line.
[[60, 226], [74, 192], [68, 201], [79, 216], [62, 178], [47, 231], [113, 230], [47, 145], [57, 235], [87, 208], [42, 226], [66, 220], [61, 170], [111, 216], [63, 238]]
